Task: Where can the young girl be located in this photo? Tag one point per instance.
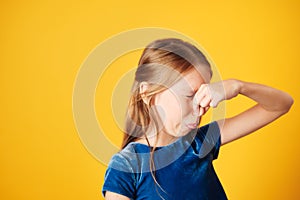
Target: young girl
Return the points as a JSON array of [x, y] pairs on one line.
[[164, 154]]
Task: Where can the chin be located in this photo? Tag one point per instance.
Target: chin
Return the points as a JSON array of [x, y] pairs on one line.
[[183, 132]]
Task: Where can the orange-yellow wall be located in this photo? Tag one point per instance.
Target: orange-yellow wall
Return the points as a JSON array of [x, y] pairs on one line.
[[44, 43]]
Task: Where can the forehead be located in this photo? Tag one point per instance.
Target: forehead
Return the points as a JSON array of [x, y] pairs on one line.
[[192, 80]]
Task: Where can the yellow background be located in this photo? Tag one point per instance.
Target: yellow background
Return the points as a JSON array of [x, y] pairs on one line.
[[43, 44]]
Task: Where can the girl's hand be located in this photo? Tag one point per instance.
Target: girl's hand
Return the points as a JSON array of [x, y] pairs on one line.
[[210, 95]]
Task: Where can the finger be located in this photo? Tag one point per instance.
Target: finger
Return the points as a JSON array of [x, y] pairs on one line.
[[206, 109], [203, 110], [196, 107], [196, 102], [198, 98], [214, 102], [205, 101]]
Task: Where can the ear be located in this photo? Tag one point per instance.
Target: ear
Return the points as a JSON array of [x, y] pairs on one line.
[[143, 90]]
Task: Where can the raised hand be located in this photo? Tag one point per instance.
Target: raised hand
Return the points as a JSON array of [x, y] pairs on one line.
[[210, 95]]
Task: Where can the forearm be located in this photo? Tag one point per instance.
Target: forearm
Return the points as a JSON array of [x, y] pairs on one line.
[[269, 98]]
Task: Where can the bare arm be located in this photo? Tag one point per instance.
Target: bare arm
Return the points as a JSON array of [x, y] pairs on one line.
[[271, 104], [114, 196]]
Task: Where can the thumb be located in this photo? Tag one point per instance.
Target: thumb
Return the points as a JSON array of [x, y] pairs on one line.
[[214, 103]]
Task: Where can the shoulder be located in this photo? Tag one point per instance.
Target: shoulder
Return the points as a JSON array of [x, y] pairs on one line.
[[123, 160], [130, 158], [119, 176]]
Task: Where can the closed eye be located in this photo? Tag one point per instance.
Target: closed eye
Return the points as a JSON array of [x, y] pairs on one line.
[[191, 96]]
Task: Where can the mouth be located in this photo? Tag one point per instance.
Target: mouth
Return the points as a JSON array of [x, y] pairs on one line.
[[192, 125], [195, 123]]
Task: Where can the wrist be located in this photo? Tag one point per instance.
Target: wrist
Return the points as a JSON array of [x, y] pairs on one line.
[[238, 86], [241, 86]]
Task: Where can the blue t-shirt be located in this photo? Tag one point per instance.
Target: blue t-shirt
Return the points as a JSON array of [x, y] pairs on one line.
[[183, 169]]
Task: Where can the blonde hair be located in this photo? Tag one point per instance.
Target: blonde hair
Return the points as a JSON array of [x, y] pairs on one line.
[[161, 64]]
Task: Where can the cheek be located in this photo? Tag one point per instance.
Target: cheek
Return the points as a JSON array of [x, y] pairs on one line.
[[170, 105], [178, 109], [175, 110], [186, 105]]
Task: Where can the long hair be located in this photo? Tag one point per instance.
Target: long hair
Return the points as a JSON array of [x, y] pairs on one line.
[[161, 64]]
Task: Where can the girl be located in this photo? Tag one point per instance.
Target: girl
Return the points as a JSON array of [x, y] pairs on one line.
[[164, 154]]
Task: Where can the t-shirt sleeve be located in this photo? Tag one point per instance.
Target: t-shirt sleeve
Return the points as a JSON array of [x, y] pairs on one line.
[[118, 178], [211, 139]]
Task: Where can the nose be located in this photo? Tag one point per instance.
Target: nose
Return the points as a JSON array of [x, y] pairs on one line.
[[194, 119], [197, 120]]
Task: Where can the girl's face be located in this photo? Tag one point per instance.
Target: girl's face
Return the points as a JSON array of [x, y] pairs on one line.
[[175, 105]]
